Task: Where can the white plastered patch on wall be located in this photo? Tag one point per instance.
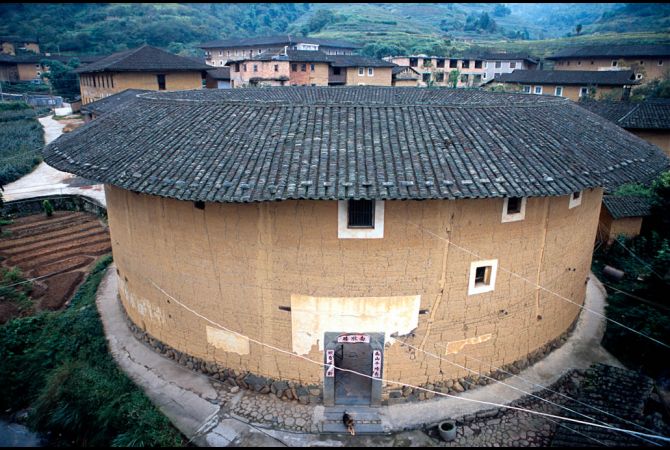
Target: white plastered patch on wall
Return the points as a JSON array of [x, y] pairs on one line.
[[457, 346], [227, 341], [311, 317], [144, 307]]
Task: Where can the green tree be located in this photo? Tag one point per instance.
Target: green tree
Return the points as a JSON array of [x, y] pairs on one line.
[[578, 28], [453, 77], [62, 78]]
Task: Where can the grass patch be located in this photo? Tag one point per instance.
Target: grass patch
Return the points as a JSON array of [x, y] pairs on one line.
[[57, 364], [13, 292], [21, 140]]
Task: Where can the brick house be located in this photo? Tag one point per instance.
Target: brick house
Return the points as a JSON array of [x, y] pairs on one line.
[[567, 83], [649, 120], [309, 67], [436, 69], [320, 220], [145, 67], [219, 52], [649, 62]]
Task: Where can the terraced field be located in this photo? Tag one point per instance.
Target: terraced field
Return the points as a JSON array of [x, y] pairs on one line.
[[61, 249]]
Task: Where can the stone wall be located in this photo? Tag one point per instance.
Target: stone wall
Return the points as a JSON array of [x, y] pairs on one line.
[[71, 202], [240, 264]]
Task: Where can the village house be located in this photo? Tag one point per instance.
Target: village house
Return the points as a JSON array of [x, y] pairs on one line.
[[436, 70], [496, 64], [105, 105], [649, 62], [622, 216], [571, 84], [218, 78], [649, 120], [145, 67], [404, 76], [10, 45], [309, 67], [29, 67], [219, 52], [342, 224]]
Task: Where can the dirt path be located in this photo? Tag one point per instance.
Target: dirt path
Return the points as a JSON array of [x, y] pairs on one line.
[[46, 180]]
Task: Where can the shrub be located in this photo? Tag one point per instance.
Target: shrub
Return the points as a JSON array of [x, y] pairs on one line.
[[48, 209], [57, 364], [21, 140]]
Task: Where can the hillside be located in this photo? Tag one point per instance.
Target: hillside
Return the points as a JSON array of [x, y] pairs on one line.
[[385, 28]]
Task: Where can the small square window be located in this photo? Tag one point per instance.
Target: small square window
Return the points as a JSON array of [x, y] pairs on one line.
[[361, 214], [538, 90], [575, 199], [360, 219], [614, 63], [660, 62], [482, 276], [526, 89], [361, 71], [311, 67], [559, 91], [276, 67], [512, 65], [498, 64], [303, 67], [514, 209], [583, 92], [294, 67], [371, 71]]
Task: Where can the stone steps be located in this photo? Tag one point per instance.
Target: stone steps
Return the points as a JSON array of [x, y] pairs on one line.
[[366, 420]]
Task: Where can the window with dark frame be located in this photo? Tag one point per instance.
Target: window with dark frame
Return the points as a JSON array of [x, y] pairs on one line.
[[576, 195], [361, 214], [294, 67], [513, 205], [161, 82], [276, 67], [303, 67], [311, 67], [336, 70]]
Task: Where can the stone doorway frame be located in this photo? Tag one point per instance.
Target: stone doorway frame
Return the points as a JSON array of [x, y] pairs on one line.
[[330, 343]]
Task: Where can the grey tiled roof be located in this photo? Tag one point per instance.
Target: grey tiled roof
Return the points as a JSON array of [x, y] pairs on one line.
[[507, 57], [411, 74], [222, 73], [304, 142], [278, 40], [647, 115], [112, 102], [620, 206], [141, 59], [611, 51], [36, 58], [568, 77], [358, 61], [293, 56]]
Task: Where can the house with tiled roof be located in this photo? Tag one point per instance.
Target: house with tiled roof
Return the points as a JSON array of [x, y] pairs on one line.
[[571, 84], [335, 223], [622, 215], [9, 45], [29, 67], [309, 67], [436, 70], [648, 62], [222, 51], [404, 76], [218, 78], [649, 120], [145, 67], [496, 64]]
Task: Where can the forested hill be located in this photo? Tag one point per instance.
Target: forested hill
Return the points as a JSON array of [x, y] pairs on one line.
[[84, 28]]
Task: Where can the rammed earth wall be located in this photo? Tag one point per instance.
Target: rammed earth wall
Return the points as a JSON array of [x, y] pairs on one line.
[[240, 265]]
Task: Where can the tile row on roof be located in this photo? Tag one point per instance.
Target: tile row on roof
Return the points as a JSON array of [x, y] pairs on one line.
[[36, 58], [280, 40], [620, 206], [142, 59], [569, 77], [221, 73], [652, 114], [304, 142], [112, 102], [611, 51]]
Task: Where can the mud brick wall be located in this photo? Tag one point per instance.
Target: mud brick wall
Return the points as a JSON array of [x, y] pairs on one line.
[[237, 264]]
